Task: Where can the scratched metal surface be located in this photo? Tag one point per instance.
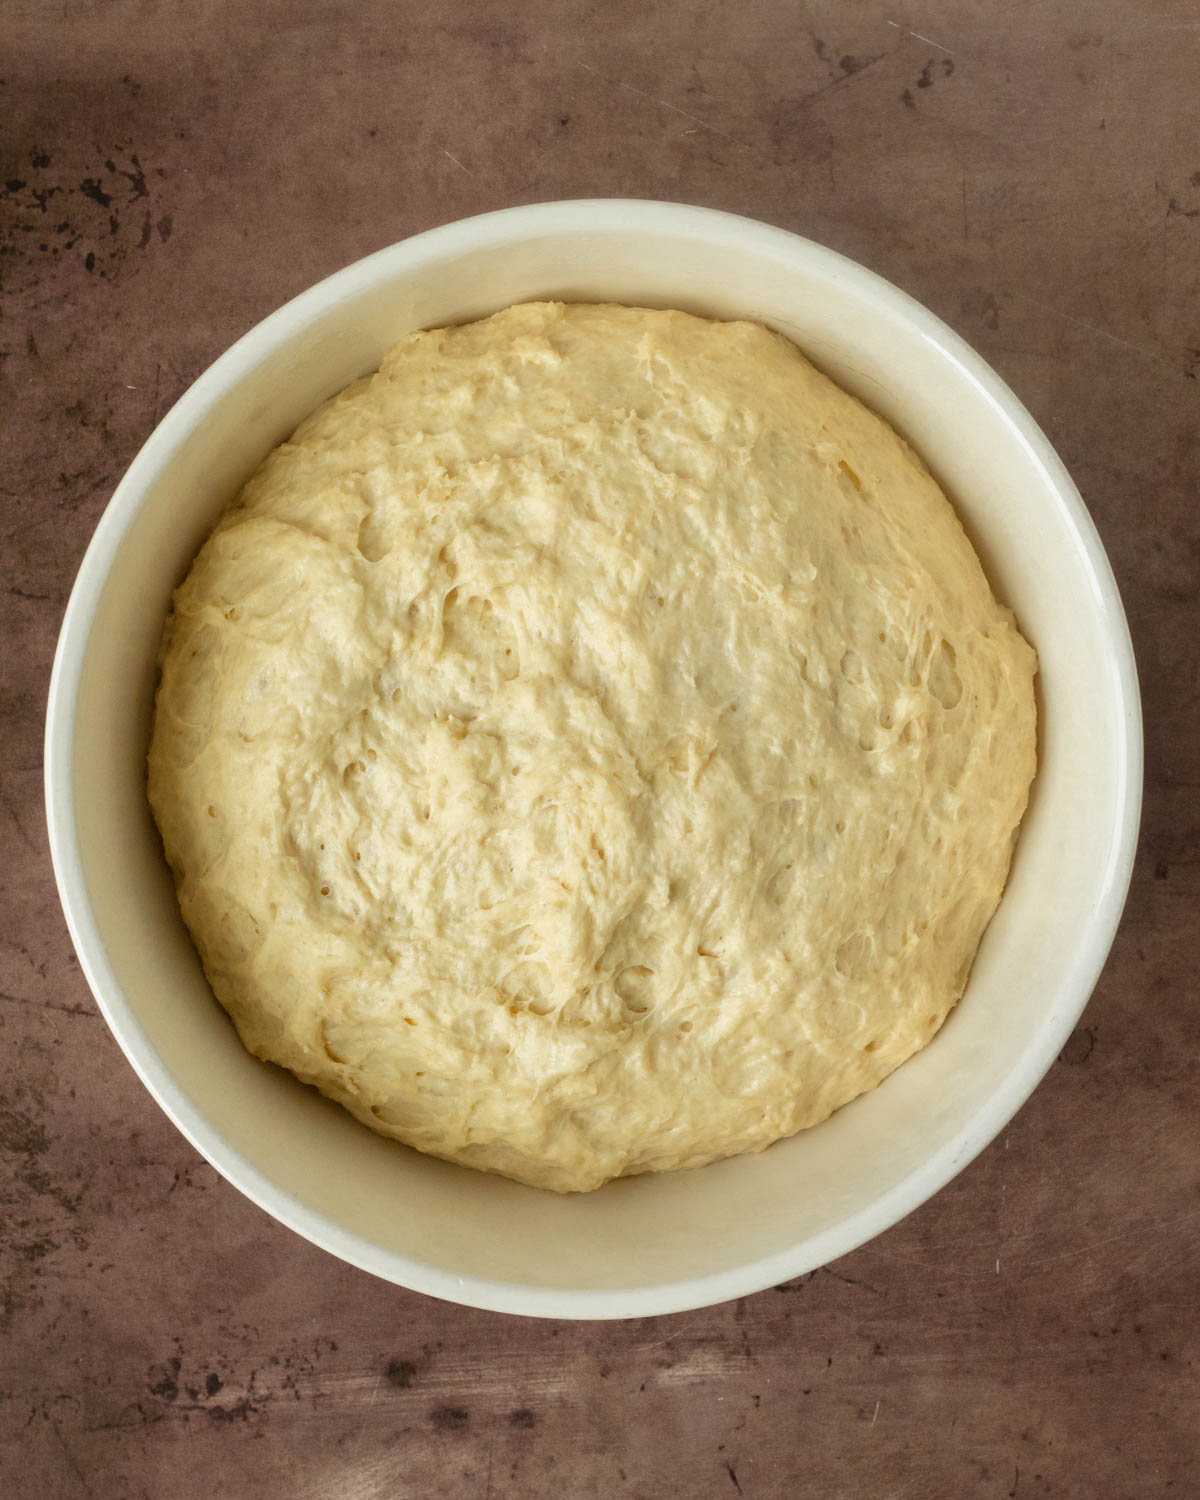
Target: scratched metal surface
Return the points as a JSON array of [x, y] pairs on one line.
[[171, 174]]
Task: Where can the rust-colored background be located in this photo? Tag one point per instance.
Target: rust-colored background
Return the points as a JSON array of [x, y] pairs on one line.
[[171, 173]]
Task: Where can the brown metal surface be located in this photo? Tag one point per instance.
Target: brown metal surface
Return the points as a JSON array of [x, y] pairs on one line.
[[170, 174]]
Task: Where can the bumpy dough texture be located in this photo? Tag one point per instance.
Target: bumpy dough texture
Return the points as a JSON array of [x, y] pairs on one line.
[[590, 746]]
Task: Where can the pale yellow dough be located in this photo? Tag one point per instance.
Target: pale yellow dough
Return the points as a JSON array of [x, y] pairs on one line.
[[590, 746]]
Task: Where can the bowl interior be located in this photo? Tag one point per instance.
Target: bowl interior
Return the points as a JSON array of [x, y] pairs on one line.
[[650, 1244]]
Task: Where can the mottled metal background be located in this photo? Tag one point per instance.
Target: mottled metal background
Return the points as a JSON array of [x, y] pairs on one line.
[[173, 172]]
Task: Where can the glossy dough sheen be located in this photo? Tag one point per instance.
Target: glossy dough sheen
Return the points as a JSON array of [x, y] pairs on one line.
[[590, 746]]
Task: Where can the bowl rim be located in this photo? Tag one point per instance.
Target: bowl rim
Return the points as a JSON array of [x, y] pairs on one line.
[[494, 230]]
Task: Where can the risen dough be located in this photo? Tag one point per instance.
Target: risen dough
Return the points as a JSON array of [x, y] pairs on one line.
[[590, 746]]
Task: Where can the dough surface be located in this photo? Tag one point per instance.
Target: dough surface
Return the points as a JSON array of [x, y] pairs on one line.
[[590, 746]]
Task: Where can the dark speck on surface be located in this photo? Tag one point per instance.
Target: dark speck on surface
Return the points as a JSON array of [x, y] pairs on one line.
[[522, 1417], [449, 1418], [1078, 1047], [239, 1411], [401, 1373], [90, 188]]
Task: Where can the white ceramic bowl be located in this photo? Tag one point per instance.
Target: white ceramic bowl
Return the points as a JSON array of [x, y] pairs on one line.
[[650, 1244]]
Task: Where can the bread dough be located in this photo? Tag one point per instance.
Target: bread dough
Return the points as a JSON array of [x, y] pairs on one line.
[[590, 746]]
